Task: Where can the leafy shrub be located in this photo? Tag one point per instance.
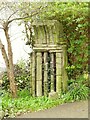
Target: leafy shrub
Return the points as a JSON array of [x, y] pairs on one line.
[[22, 77], [70, 70], [77, 90], [5, 81]]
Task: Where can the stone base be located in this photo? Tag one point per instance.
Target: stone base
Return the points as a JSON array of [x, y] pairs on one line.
[[53, 95]]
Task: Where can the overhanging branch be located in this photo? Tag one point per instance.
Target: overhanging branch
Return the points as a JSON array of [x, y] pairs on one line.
[[12, 14], [33, 13]]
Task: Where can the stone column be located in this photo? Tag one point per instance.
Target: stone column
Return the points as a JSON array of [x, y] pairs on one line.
[[33, 73], [39, 74], [45, 74], [64, 72], [58, 72], [52, 72]]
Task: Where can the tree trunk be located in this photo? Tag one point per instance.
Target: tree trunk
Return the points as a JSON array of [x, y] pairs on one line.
[[8, 58], [12, 82], [10, 69]]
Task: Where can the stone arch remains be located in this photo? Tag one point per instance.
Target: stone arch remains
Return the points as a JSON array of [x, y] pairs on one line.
[[48, 59]]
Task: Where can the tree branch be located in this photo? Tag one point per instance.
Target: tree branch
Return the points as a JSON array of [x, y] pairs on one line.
[[4, 54], [12, 14], [21, 18], [33, 13]]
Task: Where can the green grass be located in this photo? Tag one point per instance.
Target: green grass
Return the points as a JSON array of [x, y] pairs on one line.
[[25, 102], [12, 107]]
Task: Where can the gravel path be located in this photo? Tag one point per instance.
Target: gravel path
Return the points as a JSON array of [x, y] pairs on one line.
[[67, 110]]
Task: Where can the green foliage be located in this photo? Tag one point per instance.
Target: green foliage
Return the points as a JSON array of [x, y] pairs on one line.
[[24, 102], [21, 63], [77, 90], [74, 17], [22, 76], [23, 93], [70, 71], [5, 81]]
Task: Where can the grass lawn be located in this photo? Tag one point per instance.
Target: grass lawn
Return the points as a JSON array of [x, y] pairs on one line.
[[24, 102]]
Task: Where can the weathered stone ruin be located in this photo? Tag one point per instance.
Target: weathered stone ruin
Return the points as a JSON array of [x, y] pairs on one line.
[[48, 59]]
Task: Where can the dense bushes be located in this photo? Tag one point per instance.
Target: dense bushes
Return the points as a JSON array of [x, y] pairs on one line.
[[22, 77]]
